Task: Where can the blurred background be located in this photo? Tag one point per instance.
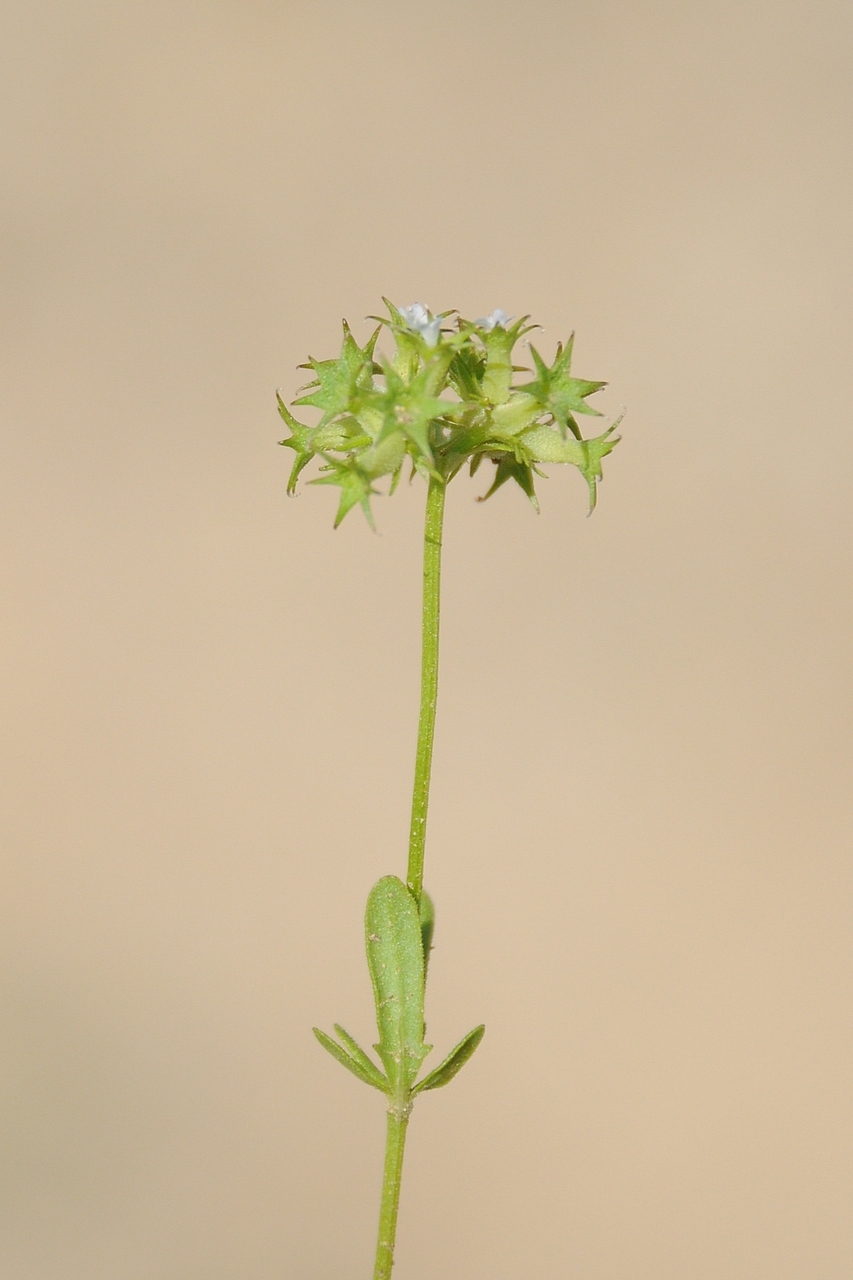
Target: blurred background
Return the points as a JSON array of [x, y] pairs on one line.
[[640, 833]]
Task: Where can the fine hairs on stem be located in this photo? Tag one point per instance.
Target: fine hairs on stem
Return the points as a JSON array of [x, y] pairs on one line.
[[429, 684], [448, 396]]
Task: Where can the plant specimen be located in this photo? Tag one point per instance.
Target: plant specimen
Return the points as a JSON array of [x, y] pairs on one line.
[[448, 395]]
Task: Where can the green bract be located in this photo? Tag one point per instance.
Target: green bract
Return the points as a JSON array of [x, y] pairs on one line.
[[448, 396]]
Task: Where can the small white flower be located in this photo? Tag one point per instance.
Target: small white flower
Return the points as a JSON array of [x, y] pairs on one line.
[[417, 319], [415, 316], [497, 318]]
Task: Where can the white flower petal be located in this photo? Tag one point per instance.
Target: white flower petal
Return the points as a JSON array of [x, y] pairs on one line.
[[417, 319], [497, 318], [415, 316], [431, 332]]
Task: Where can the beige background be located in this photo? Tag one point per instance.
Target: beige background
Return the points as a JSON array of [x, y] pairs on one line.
[[640, 840]]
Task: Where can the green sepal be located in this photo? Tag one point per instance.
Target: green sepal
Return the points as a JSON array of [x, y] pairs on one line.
[[395, 958], [407, 354], [466, 371], [355, 1061], [422, 468], [544, 445], [385, 457], [411, 407], [557, 392], [515, 415], [355, 487], [453, 1063], [299, 440], [510, 468], [344, 435], [499, 343], [437, 362], [338, 382]]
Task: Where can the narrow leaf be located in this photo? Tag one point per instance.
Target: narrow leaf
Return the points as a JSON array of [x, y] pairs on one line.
[[357, 1053], [346, 1061], [453, 1063]]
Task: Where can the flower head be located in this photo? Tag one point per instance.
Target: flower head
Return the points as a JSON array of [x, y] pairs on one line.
[[446, 398], [417, 318]]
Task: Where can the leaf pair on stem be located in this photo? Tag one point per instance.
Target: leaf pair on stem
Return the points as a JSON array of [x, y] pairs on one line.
[[398, 937]]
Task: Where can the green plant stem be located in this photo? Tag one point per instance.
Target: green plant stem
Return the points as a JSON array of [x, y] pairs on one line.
[[394, 1145], [429, 683], [398, 1117]]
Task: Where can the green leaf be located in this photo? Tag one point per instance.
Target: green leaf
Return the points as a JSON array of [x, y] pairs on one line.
[[395, 958], [360, 1066], [453, 1063], [544, 445], [358, 1054]]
